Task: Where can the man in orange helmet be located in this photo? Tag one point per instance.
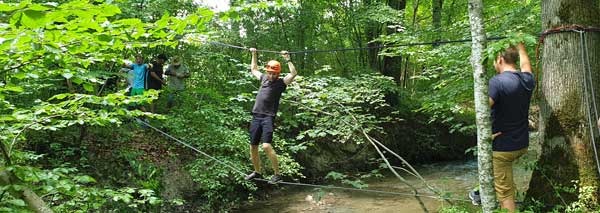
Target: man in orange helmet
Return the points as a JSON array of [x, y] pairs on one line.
[[265, 110]]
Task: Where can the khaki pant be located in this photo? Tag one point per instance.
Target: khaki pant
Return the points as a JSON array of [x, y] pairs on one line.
[[503, 173]]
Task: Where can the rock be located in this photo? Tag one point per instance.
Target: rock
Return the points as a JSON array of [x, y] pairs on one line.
[[309, 198], [178, 184]]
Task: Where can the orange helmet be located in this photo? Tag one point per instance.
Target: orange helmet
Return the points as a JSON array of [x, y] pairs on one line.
[[273, 66]]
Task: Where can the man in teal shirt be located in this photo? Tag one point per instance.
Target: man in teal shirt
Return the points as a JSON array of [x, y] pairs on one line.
[[140, 72]]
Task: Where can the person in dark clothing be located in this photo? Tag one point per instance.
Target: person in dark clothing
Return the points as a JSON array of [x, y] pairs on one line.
[[156, 80], [509, 96], [265, 111]]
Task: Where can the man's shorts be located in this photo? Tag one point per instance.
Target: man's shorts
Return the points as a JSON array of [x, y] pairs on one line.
[[261, 127], [137, 91], [503, 173]]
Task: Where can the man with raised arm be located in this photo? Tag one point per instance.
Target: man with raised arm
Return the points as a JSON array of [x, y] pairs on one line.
[[140, 71], [509, 96], [265, 111]]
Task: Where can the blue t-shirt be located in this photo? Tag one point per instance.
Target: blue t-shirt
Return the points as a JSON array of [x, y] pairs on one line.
[[511, 92], [139, 78]]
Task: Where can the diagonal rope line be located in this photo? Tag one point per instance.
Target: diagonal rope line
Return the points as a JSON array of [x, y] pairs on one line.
[[222, 162], [227, 164]]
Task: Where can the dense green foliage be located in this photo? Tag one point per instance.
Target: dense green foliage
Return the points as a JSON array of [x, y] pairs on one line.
[[67, 132]]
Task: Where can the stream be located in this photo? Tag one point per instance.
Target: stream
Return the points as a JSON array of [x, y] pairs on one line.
[[455, 178]]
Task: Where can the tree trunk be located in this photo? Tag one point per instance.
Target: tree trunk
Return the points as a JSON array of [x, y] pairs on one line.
[[301, 34], [405, 73], [33, 201], [449, 13], [415, 10], [567, 152], [373, 31], [482, 109], [436, 9], [392, 65]]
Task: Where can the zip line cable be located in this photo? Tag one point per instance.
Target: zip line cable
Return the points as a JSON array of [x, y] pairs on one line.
[[227, 164], [356, 48], [589, 87]]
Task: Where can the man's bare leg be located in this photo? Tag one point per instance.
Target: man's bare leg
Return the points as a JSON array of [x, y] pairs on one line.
[[508, 204], [255, 157], [272, 156]]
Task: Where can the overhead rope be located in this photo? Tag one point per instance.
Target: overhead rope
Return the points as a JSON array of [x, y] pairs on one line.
[[356, 48], [588, 86], [228, 165], [555, 30]]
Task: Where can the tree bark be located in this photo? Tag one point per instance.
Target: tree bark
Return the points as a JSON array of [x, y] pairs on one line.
[[482, 109], [415, 10], [33, 201], [392, 65], [567, 152], [436, 10], [405, 75], [449, 13], [373, 31]]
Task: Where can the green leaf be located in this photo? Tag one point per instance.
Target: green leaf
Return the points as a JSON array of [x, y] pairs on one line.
[[17, 202], [104, 38], [15, 19], [7, 118], [12, 88], [77, 80], [38, 7], [84, 179], [109, 10], [67, 75], [164, 20], [6, 7], [33, 19], [59, 96], [88, 87]]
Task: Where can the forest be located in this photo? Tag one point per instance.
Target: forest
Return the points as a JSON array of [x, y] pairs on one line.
[[296, 105]]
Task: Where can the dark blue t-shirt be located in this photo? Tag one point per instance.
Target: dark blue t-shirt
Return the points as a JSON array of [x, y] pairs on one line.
[[511, 92], [267, 99]]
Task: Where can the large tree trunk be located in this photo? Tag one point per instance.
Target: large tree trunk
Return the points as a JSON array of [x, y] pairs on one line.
[[482, 109], [436, 14], [392, 65], [372, 31], [567, 152]]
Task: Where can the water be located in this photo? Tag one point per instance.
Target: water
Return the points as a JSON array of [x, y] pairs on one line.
[[455, 178]]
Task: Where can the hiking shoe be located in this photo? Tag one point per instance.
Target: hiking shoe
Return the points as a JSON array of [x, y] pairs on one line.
[[475, 198], [275, 179], [253, 175]]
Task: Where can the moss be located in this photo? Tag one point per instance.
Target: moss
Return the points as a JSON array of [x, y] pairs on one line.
[[554, 167], [566, 120], [577, 12], [564, 12]]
